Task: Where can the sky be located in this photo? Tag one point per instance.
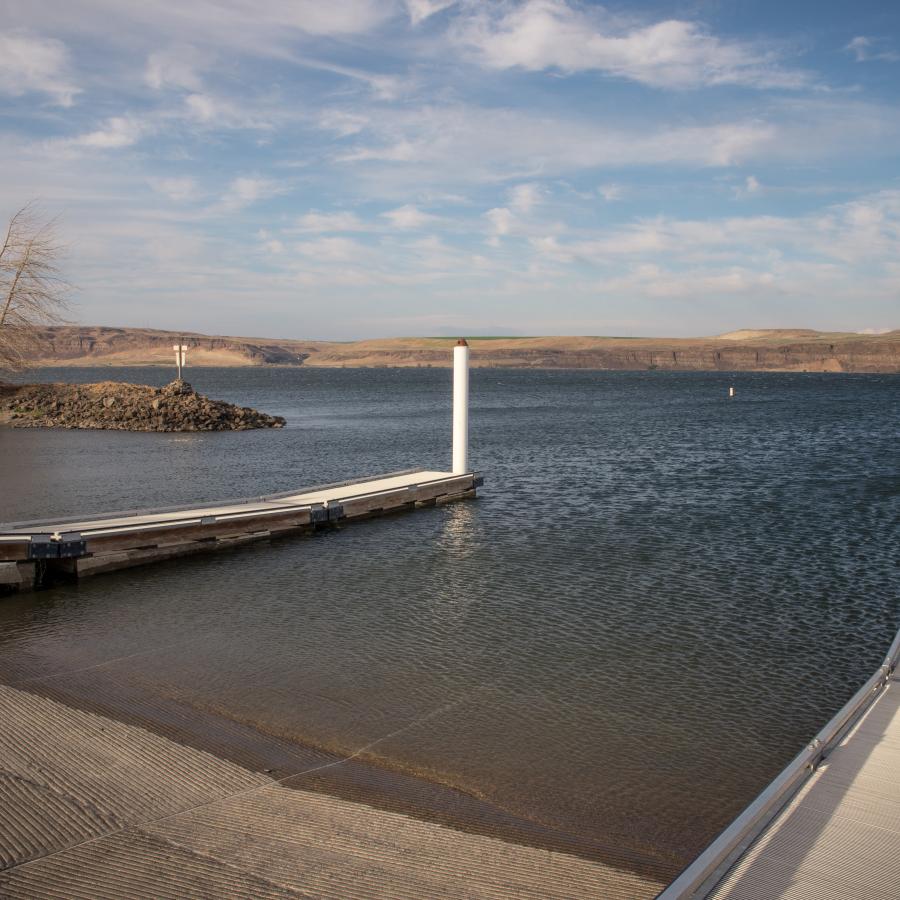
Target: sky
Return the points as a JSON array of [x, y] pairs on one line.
[[377, 168]]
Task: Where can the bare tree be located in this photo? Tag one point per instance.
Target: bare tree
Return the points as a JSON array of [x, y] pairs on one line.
[[32, 291]]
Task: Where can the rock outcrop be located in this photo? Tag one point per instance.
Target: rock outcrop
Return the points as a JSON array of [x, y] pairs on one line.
[[125, 407]]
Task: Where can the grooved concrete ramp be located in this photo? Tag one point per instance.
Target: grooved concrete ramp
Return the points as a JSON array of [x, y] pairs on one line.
[[92, 808], [839, 837]]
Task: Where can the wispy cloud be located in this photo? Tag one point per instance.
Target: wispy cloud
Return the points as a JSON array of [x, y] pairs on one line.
[[246, 190], [180, 190], [523, 198], [318, 223], [500, 223], [409, 216], [420, 10], [115, 133], [867, 49], [611, 192], [31, 64], [174, 68], [333, 249], [866, 230], [673, 54]]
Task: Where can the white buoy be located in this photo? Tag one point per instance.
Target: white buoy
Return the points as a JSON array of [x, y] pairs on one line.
[[731, 392], [460, 408]]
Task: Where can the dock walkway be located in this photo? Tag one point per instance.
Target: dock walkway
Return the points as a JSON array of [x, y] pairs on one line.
[[78, 547], [828, 828]]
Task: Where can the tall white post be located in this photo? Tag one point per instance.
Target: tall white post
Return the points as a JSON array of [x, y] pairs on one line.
[[460, 408]]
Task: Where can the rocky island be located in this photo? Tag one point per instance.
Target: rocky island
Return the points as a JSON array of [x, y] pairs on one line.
[[125, 407]]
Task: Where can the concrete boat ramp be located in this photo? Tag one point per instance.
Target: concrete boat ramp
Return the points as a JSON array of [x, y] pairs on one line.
[[34, 552], [92, 808]]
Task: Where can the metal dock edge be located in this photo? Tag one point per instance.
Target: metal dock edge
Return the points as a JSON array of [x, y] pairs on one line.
[[790, 842]]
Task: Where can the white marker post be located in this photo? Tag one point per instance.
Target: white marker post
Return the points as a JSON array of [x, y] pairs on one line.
[[461, 408], [731, 392], [180, 357]]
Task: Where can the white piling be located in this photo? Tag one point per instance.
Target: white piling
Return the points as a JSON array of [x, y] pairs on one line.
[[460, 408], [731, 392]]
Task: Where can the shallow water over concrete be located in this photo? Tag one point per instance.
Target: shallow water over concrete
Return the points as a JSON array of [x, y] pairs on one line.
[[660, 595]]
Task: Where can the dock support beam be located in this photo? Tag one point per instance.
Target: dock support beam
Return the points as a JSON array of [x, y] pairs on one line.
[[461, 408]]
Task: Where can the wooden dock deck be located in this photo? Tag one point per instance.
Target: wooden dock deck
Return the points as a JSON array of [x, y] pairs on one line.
[[32, 551], [828, 828]]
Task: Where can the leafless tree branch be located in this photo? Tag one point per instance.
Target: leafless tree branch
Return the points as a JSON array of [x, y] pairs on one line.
[[32, 290]]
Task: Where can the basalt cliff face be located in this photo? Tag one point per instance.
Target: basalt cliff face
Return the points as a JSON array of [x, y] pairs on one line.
[[762, 350]]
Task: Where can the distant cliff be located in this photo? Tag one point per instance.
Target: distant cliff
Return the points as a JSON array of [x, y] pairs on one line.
[[761, 350]]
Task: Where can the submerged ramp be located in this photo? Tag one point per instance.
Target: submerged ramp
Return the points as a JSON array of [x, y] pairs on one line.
[[91, 808], [828, 828], [78, 547]]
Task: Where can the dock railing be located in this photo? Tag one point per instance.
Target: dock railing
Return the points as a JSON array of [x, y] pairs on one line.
[[711, 866]]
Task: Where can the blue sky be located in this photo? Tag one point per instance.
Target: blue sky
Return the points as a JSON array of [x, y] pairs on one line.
[[372, 168]]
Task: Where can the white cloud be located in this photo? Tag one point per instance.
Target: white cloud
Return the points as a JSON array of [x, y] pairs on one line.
[[246, 190], [318, 223], [342, 123], [611, 192], [864, 231], [175, 68], [34, 64], [501, 222], [220, 113], [866, 50], [420, 10], [749, 188], [551, 34], [442, 147], [549, 246], [501, 144], [408, 216], [524, 197], [265, 26], [385, 87], [115, 133]]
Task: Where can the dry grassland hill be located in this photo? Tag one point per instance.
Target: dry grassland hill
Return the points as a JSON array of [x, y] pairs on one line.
[[773, 350]]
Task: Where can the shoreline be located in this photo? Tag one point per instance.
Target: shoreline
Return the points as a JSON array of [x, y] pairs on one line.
[[137, 806], [357, 780]]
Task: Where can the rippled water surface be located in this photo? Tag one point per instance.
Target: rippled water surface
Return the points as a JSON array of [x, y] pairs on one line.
[[659, 596]]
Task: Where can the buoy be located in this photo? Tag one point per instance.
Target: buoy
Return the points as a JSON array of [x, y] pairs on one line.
[[731, 392]]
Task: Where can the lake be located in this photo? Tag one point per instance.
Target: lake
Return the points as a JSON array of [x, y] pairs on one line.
[[658, 598]]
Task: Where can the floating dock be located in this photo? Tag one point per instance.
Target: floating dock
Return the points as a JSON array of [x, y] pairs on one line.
[[35, 553], [32, 553], [829, 825]]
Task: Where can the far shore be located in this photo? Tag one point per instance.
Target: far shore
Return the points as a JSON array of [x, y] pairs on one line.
[[761, 350]]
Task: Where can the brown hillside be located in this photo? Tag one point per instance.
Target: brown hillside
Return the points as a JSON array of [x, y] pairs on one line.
[[746, 350]]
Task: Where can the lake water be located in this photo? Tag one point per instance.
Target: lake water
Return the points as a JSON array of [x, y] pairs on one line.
[[659, 596]]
